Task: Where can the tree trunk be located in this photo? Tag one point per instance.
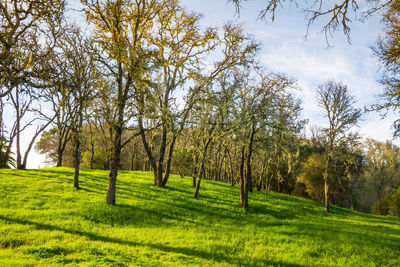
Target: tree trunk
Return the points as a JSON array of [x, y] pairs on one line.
[[91, 154], [196, 191], [148, 151], [200, 175], [243, 183], [260, 180], [112, 178], [201, 168], [169, 160], [326, 186], [38, 131], [231, 169], [131, 167], [249, 181], [76, 156], [268, 183], [18, 121]]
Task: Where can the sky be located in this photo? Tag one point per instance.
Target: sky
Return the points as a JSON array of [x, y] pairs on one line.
[[308, 60]]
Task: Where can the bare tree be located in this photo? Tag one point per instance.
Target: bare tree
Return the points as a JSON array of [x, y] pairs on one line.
[[338, 105]]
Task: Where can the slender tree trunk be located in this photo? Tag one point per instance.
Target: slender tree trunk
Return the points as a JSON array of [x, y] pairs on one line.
[[248, 163], [76, 156], [200, 174], [326, 186], [147, 148], [91, 154], [197, 188], [231, 169], [18, 121], [194, 174], [243, 186], [201, 169], [131, 167], [260, 180], [169, 160], [268, 183], [38, 131]]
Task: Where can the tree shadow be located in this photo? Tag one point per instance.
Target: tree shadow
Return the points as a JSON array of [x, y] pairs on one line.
[[214, 256]]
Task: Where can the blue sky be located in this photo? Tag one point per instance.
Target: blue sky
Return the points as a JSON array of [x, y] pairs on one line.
[[310, 62]]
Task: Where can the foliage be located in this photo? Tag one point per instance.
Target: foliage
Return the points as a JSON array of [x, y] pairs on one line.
[[387, 51], [381, 171], [311, 175], [389, 205], [183, 161], [394, 203]]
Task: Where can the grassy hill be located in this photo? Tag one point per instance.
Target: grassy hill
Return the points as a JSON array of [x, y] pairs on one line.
[[44, 221]]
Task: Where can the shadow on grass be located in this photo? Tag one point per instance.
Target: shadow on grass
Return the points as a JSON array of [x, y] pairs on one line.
[[214, 256]]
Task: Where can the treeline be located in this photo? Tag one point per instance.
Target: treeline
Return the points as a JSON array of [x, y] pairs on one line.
[[146, 87], [364, 174]]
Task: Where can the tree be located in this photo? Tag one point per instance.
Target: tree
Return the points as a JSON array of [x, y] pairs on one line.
[[256, 105], [182, 161], [80, 73], [338, 106], [338, 14], [22, 99], [180, 46], [23, 37], [387, 51], [120, 29], [383, 165]]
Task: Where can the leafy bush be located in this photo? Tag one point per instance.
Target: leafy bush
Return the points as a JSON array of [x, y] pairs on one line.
[[394, 203]]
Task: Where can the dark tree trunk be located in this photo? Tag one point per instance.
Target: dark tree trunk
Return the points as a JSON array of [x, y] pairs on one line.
[[196, 191], [243, 186], [76, 156], [231, 170], [200, 175], [201, 168], [91, 154], [112, 178], [169, 160], [147, 148], [249, 181]]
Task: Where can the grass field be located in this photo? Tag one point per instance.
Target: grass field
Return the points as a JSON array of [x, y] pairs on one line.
[[44, 221]]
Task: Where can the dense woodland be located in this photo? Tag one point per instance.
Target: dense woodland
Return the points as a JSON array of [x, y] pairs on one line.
[[143, 86]]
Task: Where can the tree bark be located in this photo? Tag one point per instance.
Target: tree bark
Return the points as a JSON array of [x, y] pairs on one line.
[[326, 186], [76, 156], [169, 160], [243, 183], [148, 150], [196, 191], [112, 178], [249, 181], [201, 168]]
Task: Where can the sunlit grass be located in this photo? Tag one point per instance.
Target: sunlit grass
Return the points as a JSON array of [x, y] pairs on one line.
[[44, 221]]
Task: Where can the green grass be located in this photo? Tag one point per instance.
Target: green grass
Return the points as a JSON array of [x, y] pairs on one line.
[[44, 221]]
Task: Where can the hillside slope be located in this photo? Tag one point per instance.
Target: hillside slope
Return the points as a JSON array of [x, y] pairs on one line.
[[44, 221]]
